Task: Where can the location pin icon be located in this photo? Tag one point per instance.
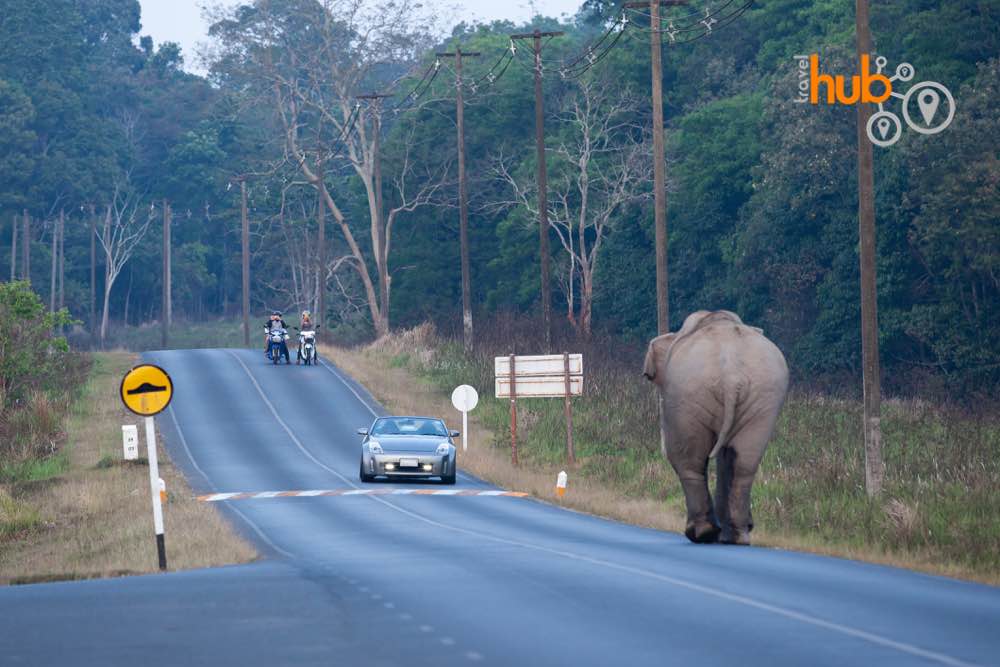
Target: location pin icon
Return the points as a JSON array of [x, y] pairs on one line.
[[928, 101], [883, 126]]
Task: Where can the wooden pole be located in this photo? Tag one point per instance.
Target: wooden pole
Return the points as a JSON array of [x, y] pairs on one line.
[[383, 269], [13, 250], [468, 340], [53, 278], [542, 177], [659, 173], [62, 260], [871, 380], [165, 278], [568, 409], [245, 248], [543, 204], [513, 412], [93, 270], [26, 246]]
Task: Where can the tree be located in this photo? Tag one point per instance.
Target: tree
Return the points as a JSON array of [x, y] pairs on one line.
[[597, 173], [123, 229]]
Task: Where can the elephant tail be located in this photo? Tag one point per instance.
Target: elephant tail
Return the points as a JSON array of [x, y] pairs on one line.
[[729, 397]]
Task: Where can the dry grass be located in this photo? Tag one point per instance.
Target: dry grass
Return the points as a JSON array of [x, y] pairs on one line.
[[936, 514], [95, 518]]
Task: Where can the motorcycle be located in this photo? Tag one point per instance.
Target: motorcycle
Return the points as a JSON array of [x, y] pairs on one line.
[[275, 337], [307, 347]]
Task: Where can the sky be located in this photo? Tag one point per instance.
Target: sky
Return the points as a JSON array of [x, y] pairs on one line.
[[181, 20]]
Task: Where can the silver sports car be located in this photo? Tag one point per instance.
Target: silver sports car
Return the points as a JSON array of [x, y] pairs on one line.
[[408, 447]]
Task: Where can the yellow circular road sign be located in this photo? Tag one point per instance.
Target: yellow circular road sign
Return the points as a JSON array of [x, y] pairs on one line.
[[146, 390]]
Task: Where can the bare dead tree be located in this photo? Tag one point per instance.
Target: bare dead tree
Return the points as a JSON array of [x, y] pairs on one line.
[[123, 229], [600, 163], [312, 77]]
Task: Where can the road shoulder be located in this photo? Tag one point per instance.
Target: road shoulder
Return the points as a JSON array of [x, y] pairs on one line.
[[94, 518]]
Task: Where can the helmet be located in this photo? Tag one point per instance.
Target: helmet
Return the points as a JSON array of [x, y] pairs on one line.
[[275, 313], [306, 314]]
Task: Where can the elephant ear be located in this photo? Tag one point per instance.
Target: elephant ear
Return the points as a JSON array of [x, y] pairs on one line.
[[657, 351]]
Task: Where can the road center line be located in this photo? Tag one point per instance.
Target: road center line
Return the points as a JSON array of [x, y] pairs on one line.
[[253, 526]]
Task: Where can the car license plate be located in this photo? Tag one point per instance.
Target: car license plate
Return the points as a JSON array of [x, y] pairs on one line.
[[407, 463]]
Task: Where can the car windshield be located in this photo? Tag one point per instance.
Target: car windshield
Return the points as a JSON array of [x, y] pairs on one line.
[[409, 426]]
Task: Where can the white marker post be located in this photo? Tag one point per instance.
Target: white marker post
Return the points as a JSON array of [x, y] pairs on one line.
[[130, 442], [465, 399], [154, 489]]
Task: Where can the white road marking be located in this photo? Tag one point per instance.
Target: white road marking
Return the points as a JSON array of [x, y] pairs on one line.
[[330, 370], [254, 527], [475, 657], [298, 443], [706, 590], [426, 628], [421, 491], [447, 641]]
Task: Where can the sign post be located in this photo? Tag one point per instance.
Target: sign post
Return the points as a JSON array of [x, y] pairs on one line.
[[465, 399], [146, 390], [540, 376]]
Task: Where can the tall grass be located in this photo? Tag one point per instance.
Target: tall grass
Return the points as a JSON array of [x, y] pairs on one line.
[[941, 502]]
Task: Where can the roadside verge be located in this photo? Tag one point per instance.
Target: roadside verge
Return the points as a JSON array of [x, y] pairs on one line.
[[93, 519]]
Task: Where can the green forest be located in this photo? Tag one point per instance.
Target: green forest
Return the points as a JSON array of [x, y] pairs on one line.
[[104, 136]]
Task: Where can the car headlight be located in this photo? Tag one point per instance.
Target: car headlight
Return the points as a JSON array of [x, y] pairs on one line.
[[443, 448], [374, 447]]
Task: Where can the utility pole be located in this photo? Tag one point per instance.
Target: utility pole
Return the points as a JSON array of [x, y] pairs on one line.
[[53, 279], [62, 259], [165, 302], [659, 161], [871, 380], [463, 201], [543, 203], [13, 250], [381, 261], [25, 246], [93, 269], [321, 256], [245, 247]]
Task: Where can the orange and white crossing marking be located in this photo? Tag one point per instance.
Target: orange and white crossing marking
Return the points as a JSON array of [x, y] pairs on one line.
[[216, 497]]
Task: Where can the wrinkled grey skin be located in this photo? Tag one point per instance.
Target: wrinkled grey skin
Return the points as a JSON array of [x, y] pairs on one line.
[[722, 385]]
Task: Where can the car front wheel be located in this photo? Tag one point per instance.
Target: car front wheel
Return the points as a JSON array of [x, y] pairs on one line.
[[365, 477]]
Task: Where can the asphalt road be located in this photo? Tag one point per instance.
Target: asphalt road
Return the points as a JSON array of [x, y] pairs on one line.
[[459, 580]]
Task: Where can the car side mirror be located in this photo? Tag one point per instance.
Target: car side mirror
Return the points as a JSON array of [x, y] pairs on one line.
[[362, 431], [454, 434]]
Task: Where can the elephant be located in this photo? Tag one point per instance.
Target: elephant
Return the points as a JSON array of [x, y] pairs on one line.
[[722, 385]]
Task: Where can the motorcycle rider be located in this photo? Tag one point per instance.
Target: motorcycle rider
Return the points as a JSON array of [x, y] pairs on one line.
[[275, 322], [305, 324]]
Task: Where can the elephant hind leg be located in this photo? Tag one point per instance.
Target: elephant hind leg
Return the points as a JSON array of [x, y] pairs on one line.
[[702, 524], [688, 445], [747, 450], [724, 464]]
